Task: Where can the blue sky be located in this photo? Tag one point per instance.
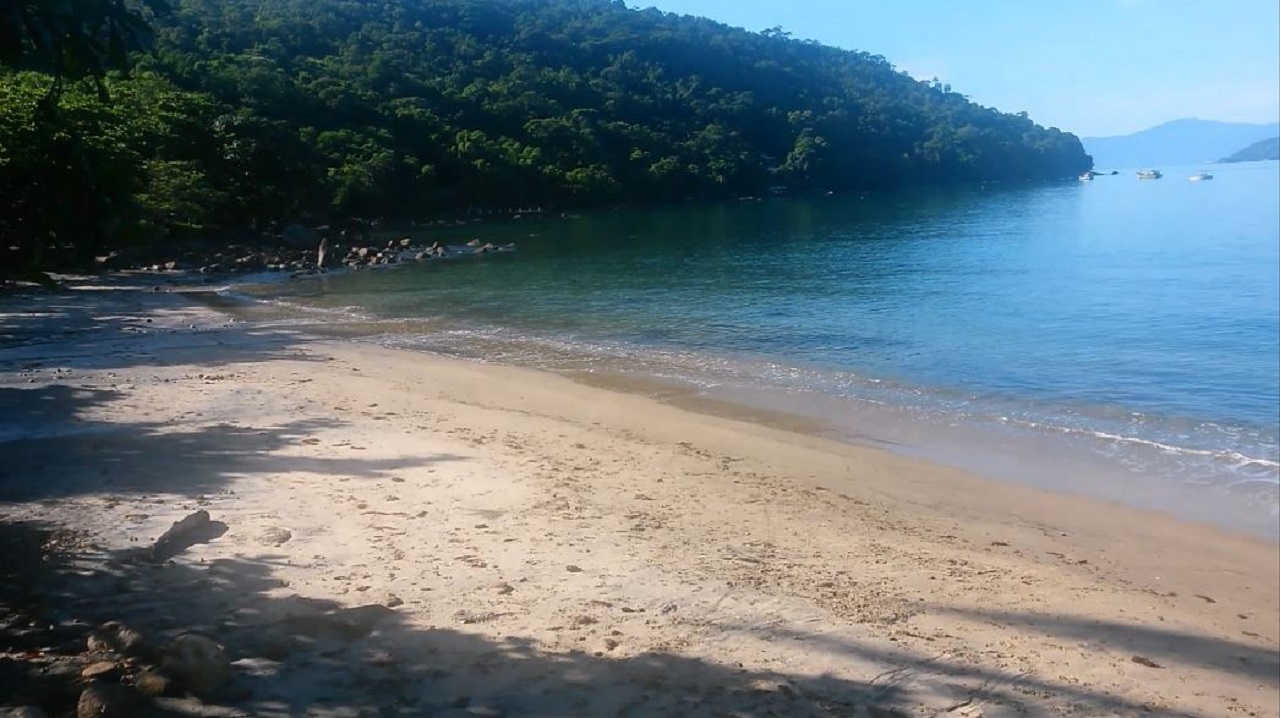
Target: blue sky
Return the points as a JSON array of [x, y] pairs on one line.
[[1092, 67]]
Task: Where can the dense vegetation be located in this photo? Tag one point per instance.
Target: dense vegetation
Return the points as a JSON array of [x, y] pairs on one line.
[[251, 112], [1263, 150]]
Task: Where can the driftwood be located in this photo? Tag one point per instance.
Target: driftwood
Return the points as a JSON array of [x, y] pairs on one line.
[[192, 529]]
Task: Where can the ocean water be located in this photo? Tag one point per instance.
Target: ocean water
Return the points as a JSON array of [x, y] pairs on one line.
[[1118, 338]]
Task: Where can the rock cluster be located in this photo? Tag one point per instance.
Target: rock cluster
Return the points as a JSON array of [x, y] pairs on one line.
[[299, 250], [404, 250]]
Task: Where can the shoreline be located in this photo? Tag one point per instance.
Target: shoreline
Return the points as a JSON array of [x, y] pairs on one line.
[[1107, 462], [792, 570]]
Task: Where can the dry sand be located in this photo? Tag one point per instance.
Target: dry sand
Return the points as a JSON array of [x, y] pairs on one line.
[[559, 548]]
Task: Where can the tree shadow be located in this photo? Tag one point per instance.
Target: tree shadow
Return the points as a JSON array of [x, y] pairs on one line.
[[295, 656], [1166, 647], [105, 329], [52, 450], [1169, 648]]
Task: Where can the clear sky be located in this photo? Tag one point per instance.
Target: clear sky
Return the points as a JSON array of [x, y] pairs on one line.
[[1092, 67]]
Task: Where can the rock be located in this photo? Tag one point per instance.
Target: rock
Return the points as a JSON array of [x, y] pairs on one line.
[[299, 236], [405, 242], [275, 536], [392, 601], [198, 664], [474, 243], [104, 700], [23, 712], [573, 569], [116, 637], [101, 669], [151, 683]]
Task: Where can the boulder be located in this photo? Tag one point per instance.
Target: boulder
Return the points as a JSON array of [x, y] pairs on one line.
[[151, 683], [296, 235], [104, 700], [116, 637], [198, 664]]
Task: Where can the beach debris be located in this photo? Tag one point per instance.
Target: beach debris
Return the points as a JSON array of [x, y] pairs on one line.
[[322, 253], [194, 708], [275, 536], [348, 623], [1144, 661], [473, 617], [192, 529], [198, 663], [101, 669]]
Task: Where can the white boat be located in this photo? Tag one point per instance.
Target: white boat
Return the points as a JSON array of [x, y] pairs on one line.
[[1200, 176], [1149, 174]]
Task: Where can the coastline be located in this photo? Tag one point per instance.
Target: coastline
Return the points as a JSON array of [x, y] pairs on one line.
[[713, 547], [1199, 470]]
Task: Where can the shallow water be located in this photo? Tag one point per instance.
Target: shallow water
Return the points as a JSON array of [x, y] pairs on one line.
[[1119, 338]]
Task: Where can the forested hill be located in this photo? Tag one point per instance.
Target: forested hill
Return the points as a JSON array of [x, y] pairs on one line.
[[410, 104], [249, 112], [1268, 149]]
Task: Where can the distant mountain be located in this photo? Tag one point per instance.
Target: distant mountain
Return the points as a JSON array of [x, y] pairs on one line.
[[1179, 142], [1268, 149]]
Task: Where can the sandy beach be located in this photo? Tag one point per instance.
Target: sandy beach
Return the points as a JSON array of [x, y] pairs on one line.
[[525, 544]]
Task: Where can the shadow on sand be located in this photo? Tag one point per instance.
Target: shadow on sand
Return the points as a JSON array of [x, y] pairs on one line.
[[296, 656]]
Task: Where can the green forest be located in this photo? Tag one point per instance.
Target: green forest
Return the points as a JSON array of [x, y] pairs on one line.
[[237, 116]]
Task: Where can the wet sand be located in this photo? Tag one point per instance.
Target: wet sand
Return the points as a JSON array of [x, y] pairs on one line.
[[552, 547]]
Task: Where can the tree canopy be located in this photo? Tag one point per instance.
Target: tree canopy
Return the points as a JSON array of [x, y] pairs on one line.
[[255, 111]]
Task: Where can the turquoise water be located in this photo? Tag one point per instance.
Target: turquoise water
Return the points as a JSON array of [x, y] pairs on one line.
[[1119, 337]]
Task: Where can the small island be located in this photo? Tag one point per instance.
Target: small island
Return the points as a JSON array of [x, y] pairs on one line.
[[1268, 149]]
